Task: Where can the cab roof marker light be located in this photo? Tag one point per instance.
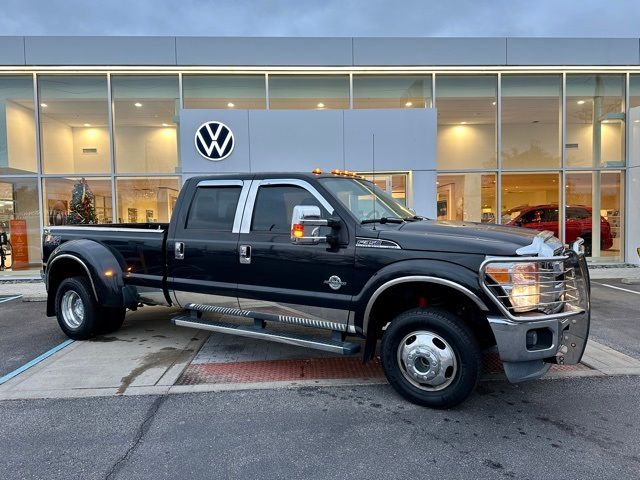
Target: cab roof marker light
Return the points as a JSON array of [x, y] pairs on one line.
[[316, 171]]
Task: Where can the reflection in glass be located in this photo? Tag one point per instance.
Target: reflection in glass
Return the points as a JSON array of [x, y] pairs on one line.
[[308, 92], [595, 121], [466, 121], [146, 199], [74, 124], [395, 184], [530, 200], [17, 126], [531, 117], [581, 219], [145, 109], [391, 91], [62, 207], [467, 197], [224, 91], [20, 238]]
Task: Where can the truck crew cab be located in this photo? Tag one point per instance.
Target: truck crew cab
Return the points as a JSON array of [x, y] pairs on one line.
[[333, 252]]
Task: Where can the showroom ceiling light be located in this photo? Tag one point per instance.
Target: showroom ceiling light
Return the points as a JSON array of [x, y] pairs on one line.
[[581, 102], [463, 123], [137, 104], [165, 124], [408, 104], [231, 104], [44, 105], [320, 105], [87, 124], [494, 103]]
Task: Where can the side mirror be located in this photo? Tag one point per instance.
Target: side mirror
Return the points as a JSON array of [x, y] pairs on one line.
[[305, 216]]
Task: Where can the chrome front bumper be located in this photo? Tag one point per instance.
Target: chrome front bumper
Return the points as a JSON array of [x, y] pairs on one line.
[[559, 339]]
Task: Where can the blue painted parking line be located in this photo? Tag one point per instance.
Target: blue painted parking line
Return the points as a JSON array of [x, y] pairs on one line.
[[8, 299], [35, 361]]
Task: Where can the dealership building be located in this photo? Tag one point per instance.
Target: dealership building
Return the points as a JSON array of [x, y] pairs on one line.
[[538, 132]]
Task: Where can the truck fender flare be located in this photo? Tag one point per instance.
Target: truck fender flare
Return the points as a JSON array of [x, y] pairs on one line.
[[421, 279], [104, 271], [429, 271]]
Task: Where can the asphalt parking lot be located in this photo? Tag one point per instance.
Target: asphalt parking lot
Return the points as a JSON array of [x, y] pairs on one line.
[[334, 425]]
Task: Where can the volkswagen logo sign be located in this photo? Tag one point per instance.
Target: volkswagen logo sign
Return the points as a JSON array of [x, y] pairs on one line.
[[214, 141]]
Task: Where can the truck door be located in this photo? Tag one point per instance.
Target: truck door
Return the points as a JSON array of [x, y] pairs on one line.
[[203, 244], [278, 277]]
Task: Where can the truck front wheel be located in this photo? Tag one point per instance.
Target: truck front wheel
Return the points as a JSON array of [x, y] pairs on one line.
[[431, 357], [76, 309]]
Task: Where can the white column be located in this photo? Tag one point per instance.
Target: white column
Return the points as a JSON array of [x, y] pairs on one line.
[[424, 192], [633, 185]]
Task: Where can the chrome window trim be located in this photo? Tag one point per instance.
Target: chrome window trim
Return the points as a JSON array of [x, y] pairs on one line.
[[245, 226], [84, 265], [244, 192], [418, 278]]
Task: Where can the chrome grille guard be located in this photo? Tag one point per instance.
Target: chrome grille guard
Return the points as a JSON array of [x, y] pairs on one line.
[[562, 281]]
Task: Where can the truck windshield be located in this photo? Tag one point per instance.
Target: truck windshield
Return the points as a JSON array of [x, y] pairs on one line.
[[366, 201]]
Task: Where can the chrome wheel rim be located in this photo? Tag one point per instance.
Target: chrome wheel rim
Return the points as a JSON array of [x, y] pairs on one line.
[[72, 309], [427, 360]]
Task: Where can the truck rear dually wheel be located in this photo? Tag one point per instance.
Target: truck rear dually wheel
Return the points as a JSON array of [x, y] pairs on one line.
[[431, 357], [76, 309]]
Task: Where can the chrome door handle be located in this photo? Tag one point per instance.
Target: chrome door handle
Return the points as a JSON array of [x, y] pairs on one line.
[[245, 254], [178, 250]]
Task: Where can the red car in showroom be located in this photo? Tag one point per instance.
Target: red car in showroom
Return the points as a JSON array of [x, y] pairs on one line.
[[578, 223]]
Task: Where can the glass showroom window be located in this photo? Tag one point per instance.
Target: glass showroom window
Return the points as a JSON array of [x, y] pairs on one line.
[[145, 109], [20, 238], [595, 121], [74, 124], [146, 199], [77, 201], [530, 200], [17, 126], [395, 184], [466, 121], [467, 196], [603, 234], [308, 92], [531, 119], [391, 91], [224, 91]]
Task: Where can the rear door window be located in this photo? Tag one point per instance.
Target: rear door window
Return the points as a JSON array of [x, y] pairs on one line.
[[213, 208]]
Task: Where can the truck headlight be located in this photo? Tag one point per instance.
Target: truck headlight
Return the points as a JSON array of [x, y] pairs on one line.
[[519, 281]]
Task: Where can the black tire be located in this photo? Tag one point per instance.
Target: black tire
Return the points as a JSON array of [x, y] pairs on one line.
[[460, 343], [111, 321], [77, 289]]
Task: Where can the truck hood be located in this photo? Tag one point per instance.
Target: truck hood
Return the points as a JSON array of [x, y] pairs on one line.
[[462, 237]]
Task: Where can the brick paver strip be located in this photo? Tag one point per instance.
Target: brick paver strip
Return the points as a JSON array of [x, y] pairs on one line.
[[308, 369]]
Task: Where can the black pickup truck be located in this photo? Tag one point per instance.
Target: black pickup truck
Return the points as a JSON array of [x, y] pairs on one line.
[[333, 252]]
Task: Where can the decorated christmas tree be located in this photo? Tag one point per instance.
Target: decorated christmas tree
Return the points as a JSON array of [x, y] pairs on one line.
[[82, 209]]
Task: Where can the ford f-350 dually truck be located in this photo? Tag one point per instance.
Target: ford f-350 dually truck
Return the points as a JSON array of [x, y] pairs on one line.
[[331, 251]]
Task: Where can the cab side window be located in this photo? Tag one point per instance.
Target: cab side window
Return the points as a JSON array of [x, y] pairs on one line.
[[274, 207], [213, 208]]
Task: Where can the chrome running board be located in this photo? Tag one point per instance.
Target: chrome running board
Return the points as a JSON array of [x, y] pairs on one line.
[[259, 330], [268, 317]]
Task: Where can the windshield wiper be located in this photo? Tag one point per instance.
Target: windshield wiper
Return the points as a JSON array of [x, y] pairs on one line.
[[413, 218], [382, 220]]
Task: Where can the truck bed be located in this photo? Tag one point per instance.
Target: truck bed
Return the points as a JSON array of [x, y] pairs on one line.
[[139, 248]]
